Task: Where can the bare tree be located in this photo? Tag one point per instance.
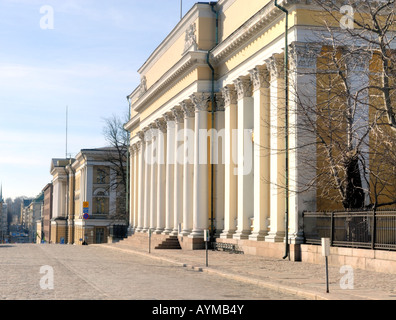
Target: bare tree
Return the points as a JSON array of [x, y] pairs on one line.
[[352, 121], [116, 155]]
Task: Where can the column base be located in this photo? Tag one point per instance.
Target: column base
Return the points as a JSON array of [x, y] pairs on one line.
[[242, 234], [167, 231], [195, 234], [159, 231], [275, 237], [185, 233], [258, 236], [227, 234]]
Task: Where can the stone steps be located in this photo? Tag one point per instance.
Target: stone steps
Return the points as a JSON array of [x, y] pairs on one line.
[[158, 241], [170, 243]]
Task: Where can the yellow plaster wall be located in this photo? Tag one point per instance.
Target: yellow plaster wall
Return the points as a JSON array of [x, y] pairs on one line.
[[237, 14], [205, 33], [166, 61]]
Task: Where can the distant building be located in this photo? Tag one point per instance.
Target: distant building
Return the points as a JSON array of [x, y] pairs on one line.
[[47, 212], [86, 184], [24, 207], [33, 214], [3, 217]]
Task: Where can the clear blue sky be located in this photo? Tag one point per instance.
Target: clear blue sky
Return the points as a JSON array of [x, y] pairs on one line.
[[88, 62]]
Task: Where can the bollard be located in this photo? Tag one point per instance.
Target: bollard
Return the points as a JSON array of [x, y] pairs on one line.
[[326, 253], [206, 239]]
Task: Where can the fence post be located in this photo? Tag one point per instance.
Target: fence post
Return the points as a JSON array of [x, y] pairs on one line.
[[331, 228], [373, 232]]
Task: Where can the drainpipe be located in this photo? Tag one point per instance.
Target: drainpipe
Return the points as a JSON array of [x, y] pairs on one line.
[[286, 61], [213, 110]]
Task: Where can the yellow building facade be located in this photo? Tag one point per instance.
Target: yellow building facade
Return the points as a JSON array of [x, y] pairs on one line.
[[207, 127], [85, 185]]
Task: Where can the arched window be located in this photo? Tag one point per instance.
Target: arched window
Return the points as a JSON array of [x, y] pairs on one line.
[[101, 202]]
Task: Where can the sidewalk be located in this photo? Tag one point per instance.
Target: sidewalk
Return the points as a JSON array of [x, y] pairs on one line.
[[303, 279]]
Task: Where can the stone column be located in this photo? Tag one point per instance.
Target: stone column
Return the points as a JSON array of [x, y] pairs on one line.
[[200, 186], [154, 176], [302, 142], [188, 166], [161, 175], [277, 143], [131, 203], [261, 96], [89, 186], [230, 171], [141, 180], [135, 195], [178, 169], [169, 179], [147, 179], [243, 86]]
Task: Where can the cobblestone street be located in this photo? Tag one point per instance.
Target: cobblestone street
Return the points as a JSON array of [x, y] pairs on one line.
[[97, 273]]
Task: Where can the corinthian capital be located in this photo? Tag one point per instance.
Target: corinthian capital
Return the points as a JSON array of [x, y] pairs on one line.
[[161, 124], [276, 66], [200, 100], [229, 95], [243, 86], [304, 55], [188, 108], [260, 77], [178, 114]]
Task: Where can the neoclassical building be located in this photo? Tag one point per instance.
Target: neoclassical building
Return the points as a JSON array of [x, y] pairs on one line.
[[85, 184], [207, 127]]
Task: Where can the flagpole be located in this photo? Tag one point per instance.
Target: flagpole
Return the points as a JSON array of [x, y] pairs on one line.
[[181, 9]]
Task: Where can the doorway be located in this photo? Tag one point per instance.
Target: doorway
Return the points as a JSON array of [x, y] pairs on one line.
[[99, 235]]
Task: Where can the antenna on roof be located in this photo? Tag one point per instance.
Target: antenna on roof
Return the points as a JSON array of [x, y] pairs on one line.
[[67, 107], [181, 9]]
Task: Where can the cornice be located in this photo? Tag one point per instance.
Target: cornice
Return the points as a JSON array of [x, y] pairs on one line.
[[187, 63], [132, 123], [251, 29]]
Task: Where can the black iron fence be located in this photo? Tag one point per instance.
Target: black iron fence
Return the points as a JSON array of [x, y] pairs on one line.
[[358, 229]]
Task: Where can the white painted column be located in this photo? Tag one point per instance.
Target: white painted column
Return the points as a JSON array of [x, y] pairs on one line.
[[169, 179], [131, 202], [178, 169], [230, 168], [154, 176], [243, 86], [277, 156], [83, 189], [200, 185], [141, 182], [302, 141], [161, 175], [89, 186], [261, 96], [188, 166], [147, 179], [135, 184]]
